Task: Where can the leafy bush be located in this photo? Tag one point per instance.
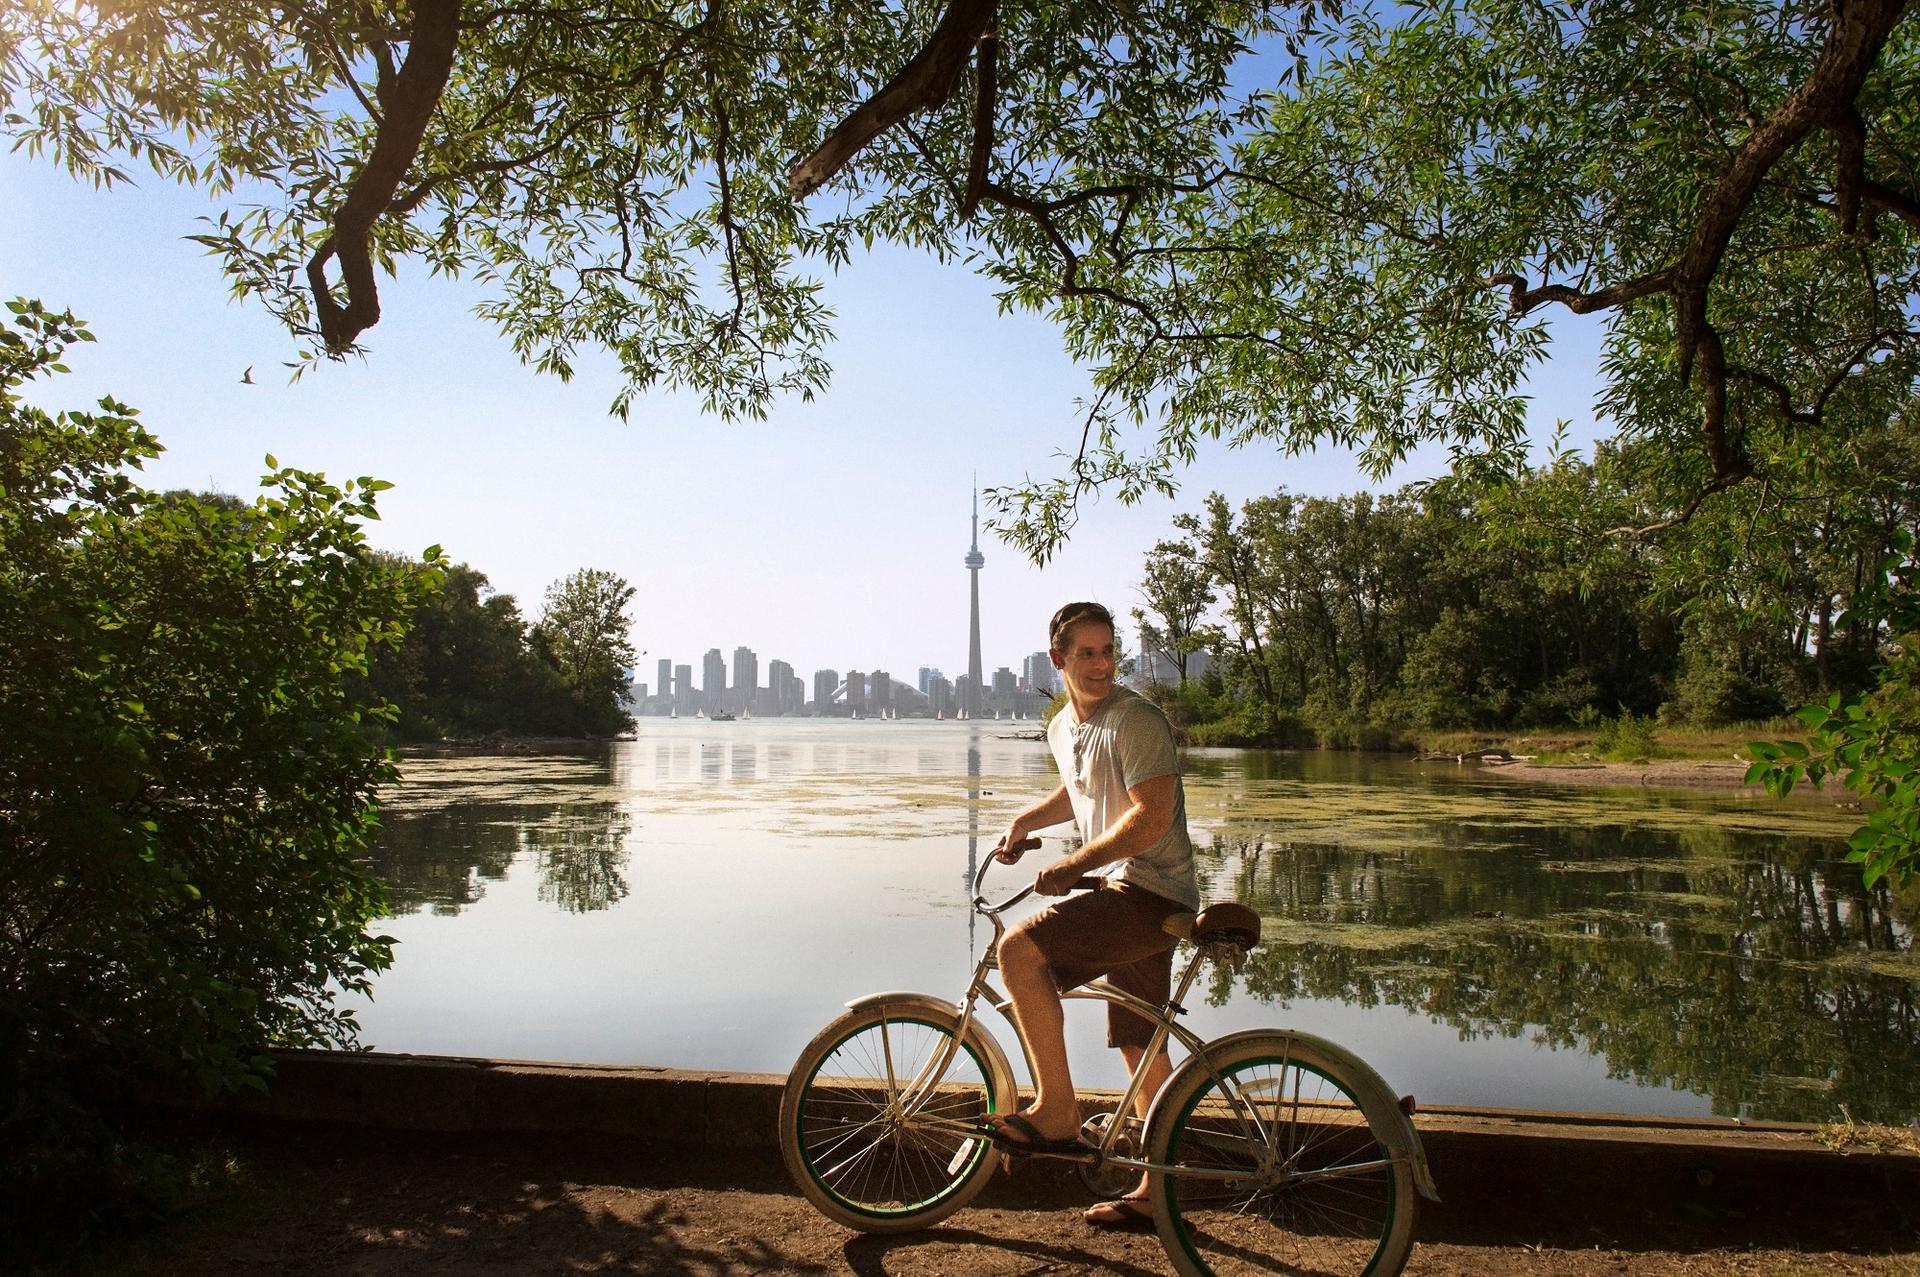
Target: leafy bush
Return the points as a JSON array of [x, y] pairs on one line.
[[1709, 694], [1568, 697], [185, 784], [1443, 683], [1364, 736], [1197, 700], [1729, 674], [1246, 725], [1626, 738]]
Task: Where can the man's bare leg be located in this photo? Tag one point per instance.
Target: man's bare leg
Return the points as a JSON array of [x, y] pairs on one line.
[[1158, 1071], [1055, 1110]]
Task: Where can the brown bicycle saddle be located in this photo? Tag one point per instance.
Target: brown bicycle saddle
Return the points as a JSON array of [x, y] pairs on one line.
[[1235, 924]]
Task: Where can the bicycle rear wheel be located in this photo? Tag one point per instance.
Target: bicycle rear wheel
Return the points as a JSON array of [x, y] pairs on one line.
[[1285, 1167], [871, 1137]]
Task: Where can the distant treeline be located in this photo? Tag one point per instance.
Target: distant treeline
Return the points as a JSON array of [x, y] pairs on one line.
[[1554, 598], [471, 665]]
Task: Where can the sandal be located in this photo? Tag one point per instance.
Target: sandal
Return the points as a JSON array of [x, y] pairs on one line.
[[1031, 1141], [1122, 1212]]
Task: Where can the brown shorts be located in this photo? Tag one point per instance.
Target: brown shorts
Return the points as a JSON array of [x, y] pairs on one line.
[[1113, 932]]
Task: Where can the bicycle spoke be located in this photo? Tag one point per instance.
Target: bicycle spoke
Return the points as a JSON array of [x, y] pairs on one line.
[[1315, 1192], [888, 1122]]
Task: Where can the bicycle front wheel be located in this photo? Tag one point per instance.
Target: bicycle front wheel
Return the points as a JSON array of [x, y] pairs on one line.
[[876, 1133], [1280, 1167]]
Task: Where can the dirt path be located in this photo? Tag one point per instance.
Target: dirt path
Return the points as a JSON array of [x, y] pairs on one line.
[[332, 1202]]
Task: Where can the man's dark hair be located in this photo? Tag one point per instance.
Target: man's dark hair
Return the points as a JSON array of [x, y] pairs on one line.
[[1071, 615]]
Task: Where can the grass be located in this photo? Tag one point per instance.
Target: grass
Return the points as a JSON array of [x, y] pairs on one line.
[[1849, 1136]]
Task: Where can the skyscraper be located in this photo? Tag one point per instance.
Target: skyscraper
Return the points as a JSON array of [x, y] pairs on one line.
[[713, 681], [970, 699], [746, 677]]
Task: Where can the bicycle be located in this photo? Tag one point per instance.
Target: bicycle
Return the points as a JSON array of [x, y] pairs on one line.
[[1267, 1150]]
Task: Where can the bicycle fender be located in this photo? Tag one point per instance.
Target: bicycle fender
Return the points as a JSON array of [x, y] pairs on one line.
[[1400, 1135], [984, 1042]]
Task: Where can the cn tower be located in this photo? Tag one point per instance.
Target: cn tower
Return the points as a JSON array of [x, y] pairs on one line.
[[975, 561]]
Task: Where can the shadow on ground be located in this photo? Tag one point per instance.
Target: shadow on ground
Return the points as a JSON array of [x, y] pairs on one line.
[[337, 1201]]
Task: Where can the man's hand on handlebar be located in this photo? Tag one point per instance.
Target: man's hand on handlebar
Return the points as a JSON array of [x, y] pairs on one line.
[[1054, 880], [1007, 855], [1058, 878]]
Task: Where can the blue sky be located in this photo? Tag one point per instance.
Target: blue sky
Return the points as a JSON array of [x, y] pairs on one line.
[[830, 535]]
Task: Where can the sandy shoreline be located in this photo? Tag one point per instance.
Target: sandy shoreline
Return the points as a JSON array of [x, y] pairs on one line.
[[1666, 773]]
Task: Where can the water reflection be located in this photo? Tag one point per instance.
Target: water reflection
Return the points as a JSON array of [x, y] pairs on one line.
[[1628, 951], [443, 861], [1773, 983], [581, 855]]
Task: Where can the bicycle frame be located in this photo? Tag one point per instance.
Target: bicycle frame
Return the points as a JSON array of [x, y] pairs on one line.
[[921, 1088]]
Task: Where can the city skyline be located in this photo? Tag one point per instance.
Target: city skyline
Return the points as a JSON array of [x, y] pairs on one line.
[[786, 690], [853, 689]]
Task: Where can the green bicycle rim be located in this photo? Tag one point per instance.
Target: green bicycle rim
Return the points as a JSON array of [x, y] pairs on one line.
[[1283, 1062], [959, 1178]]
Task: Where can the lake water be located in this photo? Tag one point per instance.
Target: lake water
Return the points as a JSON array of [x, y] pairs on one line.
[[709, 894]]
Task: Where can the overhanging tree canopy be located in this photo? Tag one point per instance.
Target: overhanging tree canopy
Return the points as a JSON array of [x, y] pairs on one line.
[[1357, 244]]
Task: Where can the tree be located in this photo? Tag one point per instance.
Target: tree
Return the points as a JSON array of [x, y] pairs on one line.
[[185, 787], [468, 668], [585, 634], [1225, 555], [1178, 595], [1355, 243], [1451, 603]]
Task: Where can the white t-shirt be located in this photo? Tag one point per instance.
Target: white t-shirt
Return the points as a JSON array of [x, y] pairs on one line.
[[1127, 740]]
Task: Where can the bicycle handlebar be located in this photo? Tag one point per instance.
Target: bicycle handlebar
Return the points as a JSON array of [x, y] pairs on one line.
[[1085, 883]]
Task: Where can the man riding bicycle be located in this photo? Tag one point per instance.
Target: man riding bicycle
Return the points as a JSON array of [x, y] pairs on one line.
[[1120, 784]]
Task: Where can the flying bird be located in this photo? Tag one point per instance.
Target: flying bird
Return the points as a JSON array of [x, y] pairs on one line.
[[246, 378]]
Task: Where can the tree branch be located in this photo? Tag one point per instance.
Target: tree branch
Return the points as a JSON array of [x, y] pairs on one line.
[[723, 138], [1895, 202], [407, 202], [1784, 395], [410, 102], [1719, 484], [1860, 30], [926, 81], [986, 65], [1850, 176], [1522, 299]]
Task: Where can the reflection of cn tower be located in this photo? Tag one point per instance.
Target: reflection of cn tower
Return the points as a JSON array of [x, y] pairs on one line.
[[970, 706], [973, 831]]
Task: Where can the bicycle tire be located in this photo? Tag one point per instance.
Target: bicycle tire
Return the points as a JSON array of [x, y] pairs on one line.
[[862, 1163], [1322, 1191]]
